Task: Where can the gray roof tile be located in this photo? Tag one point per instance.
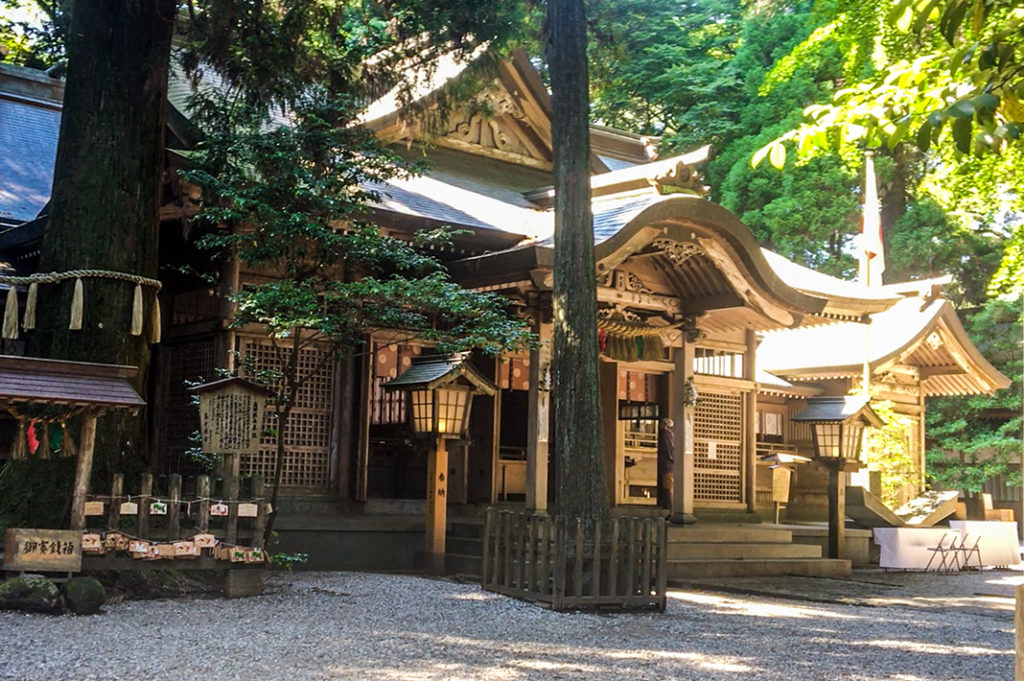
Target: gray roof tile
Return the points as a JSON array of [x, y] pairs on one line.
[[28, 147]]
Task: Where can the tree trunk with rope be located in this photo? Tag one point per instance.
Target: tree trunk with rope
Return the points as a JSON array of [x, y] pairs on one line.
[[105, 202]]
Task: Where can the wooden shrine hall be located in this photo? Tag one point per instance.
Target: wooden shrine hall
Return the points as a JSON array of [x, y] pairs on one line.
[[685, 294]]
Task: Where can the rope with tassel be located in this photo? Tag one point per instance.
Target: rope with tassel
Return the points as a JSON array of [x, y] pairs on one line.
[[10, 322]]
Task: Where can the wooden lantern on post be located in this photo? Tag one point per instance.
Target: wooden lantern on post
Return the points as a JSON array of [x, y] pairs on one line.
[[440, 392], [838, 424], [231, 414]]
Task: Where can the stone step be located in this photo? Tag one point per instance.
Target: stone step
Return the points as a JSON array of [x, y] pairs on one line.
[[468, 546], [741, 551], [724, 516], [728, 534], [464, 528], [681, 570], [460, 564]]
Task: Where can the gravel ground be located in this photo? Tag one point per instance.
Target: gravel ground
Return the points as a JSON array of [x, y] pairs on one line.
[[319, 626]]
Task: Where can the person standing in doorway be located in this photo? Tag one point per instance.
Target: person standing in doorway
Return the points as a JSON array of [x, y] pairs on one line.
[[666, 460]]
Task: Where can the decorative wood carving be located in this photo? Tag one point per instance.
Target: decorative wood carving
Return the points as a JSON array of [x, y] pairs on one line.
[[628, 281], [495, 121], [681, 179], [676, 251]]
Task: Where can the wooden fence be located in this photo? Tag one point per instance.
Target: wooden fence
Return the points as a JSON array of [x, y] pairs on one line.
[[548, 560], [195, 523]]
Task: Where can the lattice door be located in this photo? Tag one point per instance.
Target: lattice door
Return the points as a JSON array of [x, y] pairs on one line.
[[307, 440], [188, 361], [718, 447]]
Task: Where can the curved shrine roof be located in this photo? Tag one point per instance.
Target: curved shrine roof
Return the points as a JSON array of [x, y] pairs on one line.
[[914, 332]]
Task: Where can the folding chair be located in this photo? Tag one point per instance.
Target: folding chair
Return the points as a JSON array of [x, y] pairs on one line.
[[947, 552], [967, 550]]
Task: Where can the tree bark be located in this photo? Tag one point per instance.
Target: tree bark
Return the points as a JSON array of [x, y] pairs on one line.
[[581, 491], [106, 193]]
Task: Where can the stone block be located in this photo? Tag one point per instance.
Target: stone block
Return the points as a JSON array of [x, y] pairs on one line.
[[243, 583]]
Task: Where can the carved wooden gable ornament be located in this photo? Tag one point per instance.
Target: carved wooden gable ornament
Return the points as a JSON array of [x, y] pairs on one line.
[[495, 123]]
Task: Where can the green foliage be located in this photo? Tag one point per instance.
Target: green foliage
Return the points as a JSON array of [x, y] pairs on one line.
[[297, 195], [975, 437], [287, 561], [819, 194], [927, 241], [36, 492], [889, 453], [932, 77], [32, 33]]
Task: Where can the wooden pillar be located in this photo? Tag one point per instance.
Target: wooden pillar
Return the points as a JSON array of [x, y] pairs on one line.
[[363, 442], [750, 425], [346, 432], [83, 468], [437, 509], [538, 421], [921, 438], [682, 417], [836, 510], [608, 387]]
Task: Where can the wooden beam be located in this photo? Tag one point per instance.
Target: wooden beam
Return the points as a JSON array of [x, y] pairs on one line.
[[943, 370], [707, 303], [646, 301]]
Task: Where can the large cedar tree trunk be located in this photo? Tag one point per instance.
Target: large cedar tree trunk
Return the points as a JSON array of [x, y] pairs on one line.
[[581, 491], [106, 195]]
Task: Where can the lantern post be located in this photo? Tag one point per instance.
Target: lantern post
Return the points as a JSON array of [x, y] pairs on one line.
[[440, 392], [837, 424]]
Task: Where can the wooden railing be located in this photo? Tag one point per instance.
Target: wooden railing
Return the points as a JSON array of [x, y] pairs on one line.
[[548, 560]]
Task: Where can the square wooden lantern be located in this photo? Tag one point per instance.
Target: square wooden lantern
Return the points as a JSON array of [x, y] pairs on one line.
[[231, 415], [440, 390], [837, 425]]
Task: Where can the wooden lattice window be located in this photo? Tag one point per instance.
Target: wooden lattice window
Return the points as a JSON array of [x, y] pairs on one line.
[[714, 362], [307, 440], [718, 447]]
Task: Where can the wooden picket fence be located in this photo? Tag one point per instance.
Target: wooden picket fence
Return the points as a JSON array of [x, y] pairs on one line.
[[549, 561], [186, 512]]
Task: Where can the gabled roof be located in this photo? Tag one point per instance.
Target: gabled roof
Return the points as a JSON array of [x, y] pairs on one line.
[[839, 408], [509, 120], [84, 384], [913, 332], [432, 371]]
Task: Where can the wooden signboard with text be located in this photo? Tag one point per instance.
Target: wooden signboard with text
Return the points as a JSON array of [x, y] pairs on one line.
[[780, 484], [43, 550]]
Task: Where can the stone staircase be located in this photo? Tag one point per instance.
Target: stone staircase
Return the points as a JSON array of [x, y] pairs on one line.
[[694, 551], [464, 546], [744, 550]]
